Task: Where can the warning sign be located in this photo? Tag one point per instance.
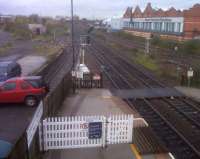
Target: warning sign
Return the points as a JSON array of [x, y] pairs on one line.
[[96, 77], [79, 74], [95, 130]]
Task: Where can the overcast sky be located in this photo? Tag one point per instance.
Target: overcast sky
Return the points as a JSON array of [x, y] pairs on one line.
[[85, 8]]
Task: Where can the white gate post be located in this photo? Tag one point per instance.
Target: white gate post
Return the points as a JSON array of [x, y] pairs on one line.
[[130, 117], [41, 139], [45, 134], [104, 132]]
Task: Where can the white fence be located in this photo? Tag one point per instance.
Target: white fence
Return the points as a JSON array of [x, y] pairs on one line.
[[86, 131], [32, 128], [120, 129]]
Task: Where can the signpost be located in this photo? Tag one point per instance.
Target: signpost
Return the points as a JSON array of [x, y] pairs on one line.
[[148, 45], [96, 77], [190, 74], [73, 73], [79, 74]]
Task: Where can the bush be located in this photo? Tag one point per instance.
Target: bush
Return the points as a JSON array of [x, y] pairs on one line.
[[191, 47], [59, 28], [128, 36], [163, 43], [146, 61], [20, 31]]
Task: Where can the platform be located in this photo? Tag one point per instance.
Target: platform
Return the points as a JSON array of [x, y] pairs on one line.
[[190, 92], [98, 102], [95, 102]]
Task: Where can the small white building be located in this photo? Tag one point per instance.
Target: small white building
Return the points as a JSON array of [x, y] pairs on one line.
[[37, 28], [117, 23]]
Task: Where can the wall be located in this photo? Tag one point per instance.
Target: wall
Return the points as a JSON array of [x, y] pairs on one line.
[[192, 27], [192, 21]]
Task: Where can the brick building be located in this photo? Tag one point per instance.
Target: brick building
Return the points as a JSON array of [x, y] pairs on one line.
[[172, 23], [192, 21]]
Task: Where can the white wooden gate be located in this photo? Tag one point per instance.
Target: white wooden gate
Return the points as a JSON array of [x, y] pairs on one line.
[[120, 129], [85, 131]]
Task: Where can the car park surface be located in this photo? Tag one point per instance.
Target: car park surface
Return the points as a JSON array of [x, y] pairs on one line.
[[14, 119]]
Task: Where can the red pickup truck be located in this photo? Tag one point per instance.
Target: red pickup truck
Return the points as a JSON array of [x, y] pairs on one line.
[[28, 90]]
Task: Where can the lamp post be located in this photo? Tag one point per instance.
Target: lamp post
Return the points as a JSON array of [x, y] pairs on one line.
[[72, 38]]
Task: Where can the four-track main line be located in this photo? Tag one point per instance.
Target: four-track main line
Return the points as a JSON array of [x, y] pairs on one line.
[[174, 120]]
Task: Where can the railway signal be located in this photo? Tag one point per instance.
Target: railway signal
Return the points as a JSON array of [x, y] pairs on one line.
[[85, 40]]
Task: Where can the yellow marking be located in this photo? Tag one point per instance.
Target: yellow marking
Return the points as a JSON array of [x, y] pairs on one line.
[[135, 152], [106, 97]]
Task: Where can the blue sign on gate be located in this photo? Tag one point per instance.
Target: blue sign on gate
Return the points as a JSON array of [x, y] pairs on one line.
[[95, 130]]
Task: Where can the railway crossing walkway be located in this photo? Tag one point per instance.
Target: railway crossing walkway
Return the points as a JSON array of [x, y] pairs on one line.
[[90, 102]]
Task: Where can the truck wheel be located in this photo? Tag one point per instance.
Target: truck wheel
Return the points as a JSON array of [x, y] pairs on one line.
[[31, 101]]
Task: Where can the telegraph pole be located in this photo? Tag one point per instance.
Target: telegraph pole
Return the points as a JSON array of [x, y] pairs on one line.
[[72, 34]]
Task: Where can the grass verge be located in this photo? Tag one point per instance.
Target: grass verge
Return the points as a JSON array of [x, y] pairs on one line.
[[47, 50], [146, 61], [4, 48]]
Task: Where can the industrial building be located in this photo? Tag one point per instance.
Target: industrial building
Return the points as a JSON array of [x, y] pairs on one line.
[[172, 23]]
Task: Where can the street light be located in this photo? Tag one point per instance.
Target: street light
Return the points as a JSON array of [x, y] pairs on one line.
[[72, 38]]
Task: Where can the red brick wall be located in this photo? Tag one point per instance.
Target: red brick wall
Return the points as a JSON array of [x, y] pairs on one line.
[[191, 27], [192, 21]]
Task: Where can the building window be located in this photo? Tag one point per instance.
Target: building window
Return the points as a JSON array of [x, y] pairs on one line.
[[165, 27], [171, 27], [142, 26], [157, 26], [179, 27]]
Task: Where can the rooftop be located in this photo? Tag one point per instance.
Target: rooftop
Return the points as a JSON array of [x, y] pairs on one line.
[[149, 11]]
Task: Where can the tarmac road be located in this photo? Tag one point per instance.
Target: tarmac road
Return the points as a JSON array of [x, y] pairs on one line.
[[5, 37], [14, 119]]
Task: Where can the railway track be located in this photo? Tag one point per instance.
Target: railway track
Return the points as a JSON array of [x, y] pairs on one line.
[[131, 72], [55, 71], [175, 121], [156, 50]]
